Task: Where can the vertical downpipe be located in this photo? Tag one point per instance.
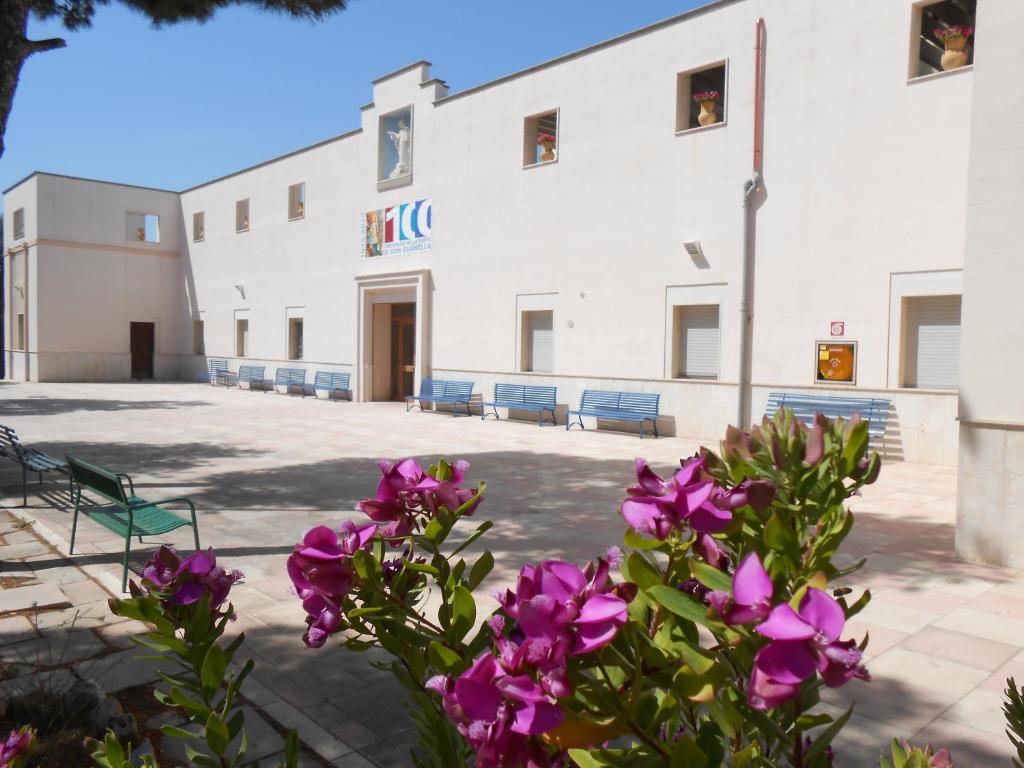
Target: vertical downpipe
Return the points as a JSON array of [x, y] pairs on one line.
[[750, 187]]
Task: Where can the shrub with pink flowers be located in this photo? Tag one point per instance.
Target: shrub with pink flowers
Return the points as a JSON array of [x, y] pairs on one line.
[[707, 642]]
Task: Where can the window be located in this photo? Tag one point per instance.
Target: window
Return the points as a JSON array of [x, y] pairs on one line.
[[931, 342], [19, 331], [698, 341], [941, 36], [198, 338], [242, 337], [538, 341], [297, 201], [19, 223], [295, 338], [394, 142], [142, 227], [198, 227], [701, 97], [540, 139], [242, 215]]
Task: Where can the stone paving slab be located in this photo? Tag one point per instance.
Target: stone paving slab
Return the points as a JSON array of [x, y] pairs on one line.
[[943, 632], [36, 596]]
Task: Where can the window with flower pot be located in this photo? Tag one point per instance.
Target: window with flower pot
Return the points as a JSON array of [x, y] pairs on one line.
[[198, 226], [297, 201], [942, 36], [19, 223], [242, 215], [142, 227], [701, 97], [540, 139]]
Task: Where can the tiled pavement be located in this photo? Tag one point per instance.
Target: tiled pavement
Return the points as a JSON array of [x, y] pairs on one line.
[[262, 468]]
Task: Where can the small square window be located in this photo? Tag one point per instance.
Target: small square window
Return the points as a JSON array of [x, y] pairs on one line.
[[198, 338], [942, 36], [142, 227], [297, 201], [701, 97], [295, 338], [242, 337], [540, 139], [198, 226], [19, 223], [538, 336], [698, 341], [394, 143], [242, 215]]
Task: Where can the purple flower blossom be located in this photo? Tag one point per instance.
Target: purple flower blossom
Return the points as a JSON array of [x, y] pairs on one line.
[[322, 573], [803, 642], [657, 507], [499, 713], [751, 598], [18, 744], [184, 582]]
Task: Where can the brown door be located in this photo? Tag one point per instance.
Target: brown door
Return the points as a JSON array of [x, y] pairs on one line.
[[403, 350], [143, 346]]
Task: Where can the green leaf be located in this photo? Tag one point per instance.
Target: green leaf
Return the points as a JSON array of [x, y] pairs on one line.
[[634, 540], [433, 531], [686, 754], [683, 605], [585, 759], [463, 612], [411, 565], [856, 445], [216, 734], [291, 751], [480, 570], [443, 658], [641, 571], [212, 674], [823, 739], [176, 732], [780, 537], [480, 531], [712, 578]]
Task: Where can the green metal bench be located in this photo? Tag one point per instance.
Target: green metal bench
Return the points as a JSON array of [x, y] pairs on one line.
[[125, 513]]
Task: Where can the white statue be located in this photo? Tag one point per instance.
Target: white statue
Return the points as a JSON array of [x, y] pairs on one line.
[[402, 140]]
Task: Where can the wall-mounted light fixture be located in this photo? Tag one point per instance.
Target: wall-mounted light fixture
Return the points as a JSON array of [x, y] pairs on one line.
[[241, 290], [696, 253]]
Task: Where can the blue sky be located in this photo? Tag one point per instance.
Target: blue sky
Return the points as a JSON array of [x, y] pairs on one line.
[[184, 104]]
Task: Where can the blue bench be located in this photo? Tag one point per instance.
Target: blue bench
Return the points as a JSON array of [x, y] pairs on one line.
[[216, 369], [441, 391], [253, 374], [522, 397], [329, 381], [873, 410], [288, 378], [617, 406]]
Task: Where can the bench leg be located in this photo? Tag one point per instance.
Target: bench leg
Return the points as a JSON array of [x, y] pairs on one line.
[[77, 497], [569, 423], [24, 486], [127, 552]]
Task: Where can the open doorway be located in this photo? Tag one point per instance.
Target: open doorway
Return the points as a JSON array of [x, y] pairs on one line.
[[143, 343], [394, 350]]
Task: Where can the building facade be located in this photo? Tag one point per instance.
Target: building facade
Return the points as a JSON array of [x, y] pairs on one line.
[[581, 224]]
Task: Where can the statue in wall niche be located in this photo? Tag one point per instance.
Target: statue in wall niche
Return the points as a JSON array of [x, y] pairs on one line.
[[402, 139]]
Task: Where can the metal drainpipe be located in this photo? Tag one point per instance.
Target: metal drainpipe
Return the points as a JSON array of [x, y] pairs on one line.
[[750, 188]]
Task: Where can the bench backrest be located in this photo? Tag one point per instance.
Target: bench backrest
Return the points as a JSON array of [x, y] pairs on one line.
[[459, 389], [525, 393], [331, 380], [216, 366], [97, 479], [10, 445], [631, 402], [874, 410], [290, 376], [251, 372]]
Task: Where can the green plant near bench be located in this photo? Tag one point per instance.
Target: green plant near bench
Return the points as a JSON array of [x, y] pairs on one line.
[[125, 513]]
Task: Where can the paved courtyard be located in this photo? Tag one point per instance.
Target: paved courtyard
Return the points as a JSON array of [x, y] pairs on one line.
[[262, 468]]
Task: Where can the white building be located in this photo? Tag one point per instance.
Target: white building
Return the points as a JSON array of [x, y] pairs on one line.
[[443, 238]]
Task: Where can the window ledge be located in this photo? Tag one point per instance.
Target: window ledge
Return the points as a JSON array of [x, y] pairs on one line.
[[296, 218], [200, 240], [240, 231], [402, 181], [938, 75], [700, 128], [541, 164]]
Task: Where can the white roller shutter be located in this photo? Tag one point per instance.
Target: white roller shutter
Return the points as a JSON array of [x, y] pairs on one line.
[[699, 341], [540, 338], [932, 342]]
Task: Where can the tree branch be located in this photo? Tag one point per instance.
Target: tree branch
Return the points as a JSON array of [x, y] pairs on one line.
[[39, 46]]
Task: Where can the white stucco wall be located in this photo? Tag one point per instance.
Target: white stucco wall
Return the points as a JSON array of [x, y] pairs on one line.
[[990, 513], [864, 178]]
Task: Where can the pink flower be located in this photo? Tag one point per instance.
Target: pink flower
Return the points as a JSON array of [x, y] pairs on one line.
[[322, 573], [751, 598], [657, 507], [184, 582], [707, 96], [18, 745]]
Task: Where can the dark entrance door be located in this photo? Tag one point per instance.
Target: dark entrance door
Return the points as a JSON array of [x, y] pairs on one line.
[[143, 345], [403, 350]]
